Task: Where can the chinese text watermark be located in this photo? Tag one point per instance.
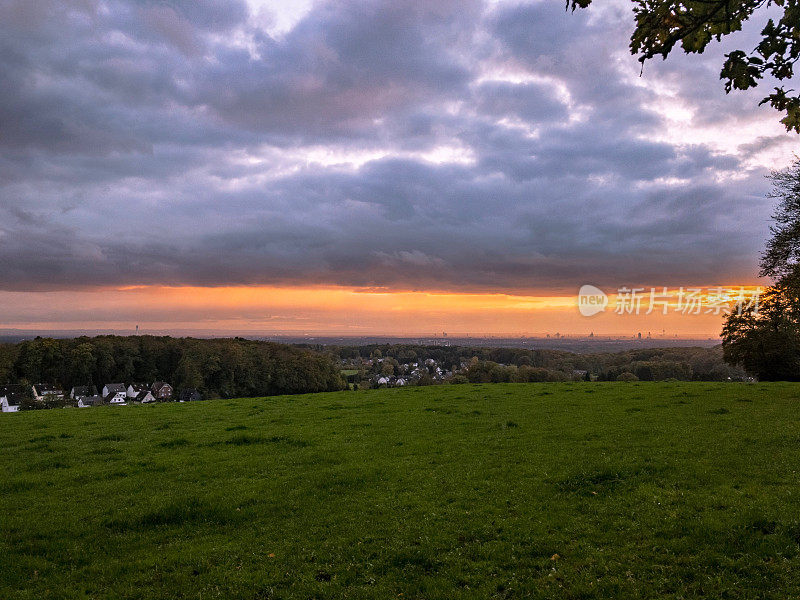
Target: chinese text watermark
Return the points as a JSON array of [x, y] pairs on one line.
[[663, 300]]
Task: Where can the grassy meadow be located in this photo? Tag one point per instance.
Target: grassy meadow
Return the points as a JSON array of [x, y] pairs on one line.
[[575, 490]]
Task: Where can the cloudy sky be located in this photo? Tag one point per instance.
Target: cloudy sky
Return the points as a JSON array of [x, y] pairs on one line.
[[391, 166]]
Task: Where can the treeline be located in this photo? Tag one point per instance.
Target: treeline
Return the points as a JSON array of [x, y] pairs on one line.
[[218, 368], [521, 364]]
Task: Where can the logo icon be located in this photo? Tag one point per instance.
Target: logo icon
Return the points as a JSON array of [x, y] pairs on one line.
[[591, 300]]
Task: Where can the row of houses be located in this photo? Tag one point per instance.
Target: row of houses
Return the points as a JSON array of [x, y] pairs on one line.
[[12, 395], [408, 372], [120, 394]]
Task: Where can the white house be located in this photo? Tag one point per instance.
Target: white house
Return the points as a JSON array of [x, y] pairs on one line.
[[117, 398], [145, 396], [110, 389], [10, 397], [400, 381], [383, 381], [42, 390], [135, 389], [9, 404], [87, 401]]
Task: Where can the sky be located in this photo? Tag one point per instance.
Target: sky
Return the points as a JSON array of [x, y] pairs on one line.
[[396, 167]]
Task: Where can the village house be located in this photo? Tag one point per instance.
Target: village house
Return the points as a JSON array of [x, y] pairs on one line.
[[11, 396], [43, 390], [144, 396], [162, 390], [9, 404], [87, 401], [135, 389], [190, 395], [113, 388], [115, 393], [82, 391]]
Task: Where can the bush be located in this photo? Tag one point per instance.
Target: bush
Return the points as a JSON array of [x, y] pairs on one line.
[[627, 377], [425, 380], [537, 374]]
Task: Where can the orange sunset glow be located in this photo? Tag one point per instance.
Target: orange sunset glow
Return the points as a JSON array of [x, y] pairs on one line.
[[342, 311]]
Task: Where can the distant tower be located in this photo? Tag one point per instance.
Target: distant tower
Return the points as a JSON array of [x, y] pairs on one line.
[[137, 330]]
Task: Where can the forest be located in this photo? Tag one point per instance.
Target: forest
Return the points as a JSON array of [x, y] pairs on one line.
[[500, 365], [219, 368]]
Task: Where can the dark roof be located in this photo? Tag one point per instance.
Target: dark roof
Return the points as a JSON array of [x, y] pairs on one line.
[[93, 400], [84, 390], [13, 393], [46, 388], [142, 395], [190, 395], [138, 387], [115, 387], [159, 384]]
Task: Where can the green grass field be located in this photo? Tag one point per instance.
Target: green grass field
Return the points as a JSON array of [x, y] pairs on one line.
[[469, 491]]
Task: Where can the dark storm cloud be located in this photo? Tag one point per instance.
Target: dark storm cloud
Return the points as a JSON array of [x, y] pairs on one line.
[[409, 144], [342, 67]]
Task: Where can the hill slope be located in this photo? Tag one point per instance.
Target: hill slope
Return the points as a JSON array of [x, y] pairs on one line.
[[539, 490]]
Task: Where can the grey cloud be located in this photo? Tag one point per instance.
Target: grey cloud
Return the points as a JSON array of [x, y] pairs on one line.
[[532, 102], [343, 67]]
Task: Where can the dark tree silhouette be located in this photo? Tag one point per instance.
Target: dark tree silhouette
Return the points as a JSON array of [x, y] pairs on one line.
[[766, 339]]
